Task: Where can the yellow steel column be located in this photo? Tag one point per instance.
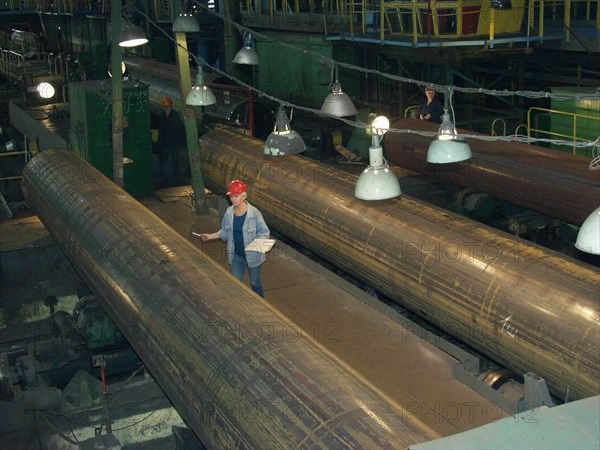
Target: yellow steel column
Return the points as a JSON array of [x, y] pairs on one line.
[[541, 16], [189, 120]]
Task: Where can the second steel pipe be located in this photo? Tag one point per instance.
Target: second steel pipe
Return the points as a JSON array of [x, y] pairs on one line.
[[527, 307], [551, 182]]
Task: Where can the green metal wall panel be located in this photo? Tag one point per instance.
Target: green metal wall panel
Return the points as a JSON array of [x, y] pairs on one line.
[[292, 75], [91, 127], [585, 127]]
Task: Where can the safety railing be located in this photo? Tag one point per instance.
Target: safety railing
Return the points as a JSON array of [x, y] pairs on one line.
[[419, 20], [574, 126], [22, 67], [498, 122], [412, 112]]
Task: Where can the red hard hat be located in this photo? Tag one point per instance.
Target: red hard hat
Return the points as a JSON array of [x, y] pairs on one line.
[[236, 187], [166, 102]]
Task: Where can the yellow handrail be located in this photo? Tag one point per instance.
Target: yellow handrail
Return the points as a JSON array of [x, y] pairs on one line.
[[417, 19], [409, 109], [572, 136], [521, 126], [503, 122]]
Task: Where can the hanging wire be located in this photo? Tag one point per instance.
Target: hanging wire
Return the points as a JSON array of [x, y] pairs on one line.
[[595, 162], [450, 93], [593, 95], [363, 125]]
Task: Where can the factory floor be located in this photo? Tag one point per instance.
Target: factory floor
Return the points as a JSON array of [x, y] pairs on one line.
[[368, 337]]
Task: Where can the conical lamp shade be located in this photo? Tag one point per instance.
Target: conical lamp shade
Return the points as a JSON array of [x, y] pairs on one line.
[[200, 94], [283, 141], [448, 151], [588, 238], [338, 103], [132, 36], [377, 182], [247, 55], [186, 23]]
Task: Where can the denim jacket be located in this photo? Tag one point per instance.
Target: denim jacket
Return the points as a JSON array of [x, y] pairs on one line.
[[254, 227]]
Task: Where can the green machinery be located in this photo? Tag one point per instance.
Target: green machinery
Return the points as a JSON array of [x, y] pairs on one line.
[[91, 131]]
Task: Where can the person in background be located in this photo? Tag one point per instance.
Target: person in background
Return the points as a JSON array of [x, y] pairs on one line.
[[242, 223], [171, 141], [431, 107]]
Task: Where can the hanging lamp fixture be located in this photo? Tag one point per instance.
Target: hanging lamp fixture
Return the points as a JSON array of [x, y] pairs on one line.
[[283, 141], [338, 103], [377, 181]]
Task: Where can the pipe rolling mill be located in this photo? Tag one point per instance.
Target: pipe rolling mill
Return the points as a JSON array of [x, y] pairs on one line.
[[230, 373], [524, 306]]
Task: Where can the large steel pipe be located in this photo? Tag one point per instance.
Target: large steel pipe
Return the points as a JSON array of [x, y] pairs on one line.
[[238, 372], [527, 307], [553, 183]]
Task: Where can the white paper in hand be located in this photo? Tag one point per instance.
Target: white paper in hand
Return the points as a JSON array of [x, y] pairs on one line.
[[260, 245]]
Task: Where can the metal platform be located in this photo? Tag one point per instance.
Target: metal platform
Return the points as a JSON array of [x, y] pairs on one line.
[[569, 426]]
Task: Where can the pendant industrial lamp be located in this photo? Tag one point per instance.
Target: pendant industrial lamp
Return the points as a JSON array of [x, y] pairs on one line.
[[283, 141], [588, 238], [132, 36], [377, 182], [186, 23], [247, 54], [447, 148], [200, 94], [338, 103]]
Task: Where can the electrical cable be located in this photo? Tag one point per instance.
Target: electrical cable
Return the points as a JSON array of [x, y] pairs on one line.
[[136, 423], [141, 366], [595, 162], [57, 431], [433, 134], [438, 87]]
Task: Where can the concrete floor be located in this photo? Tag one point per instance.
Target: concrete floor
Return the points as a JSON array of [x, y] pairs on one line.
[[370, 338]]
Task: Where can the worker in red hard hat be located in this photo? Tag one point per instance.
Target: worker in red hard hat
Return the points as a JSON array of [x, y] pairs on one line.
[[242, 223], [171, 143]]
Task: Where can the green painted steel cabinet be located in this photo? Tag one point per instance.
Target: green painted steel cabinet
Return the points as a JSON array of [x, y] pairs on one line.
[[91, 131]]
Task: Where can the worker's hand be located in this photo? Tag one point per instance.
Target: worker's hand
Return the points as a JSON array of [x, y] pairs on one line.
[[204, 237]]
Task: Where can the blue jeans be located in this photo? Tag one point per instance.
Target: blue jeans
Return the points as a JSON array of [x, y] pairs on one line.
[[238, 269]]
